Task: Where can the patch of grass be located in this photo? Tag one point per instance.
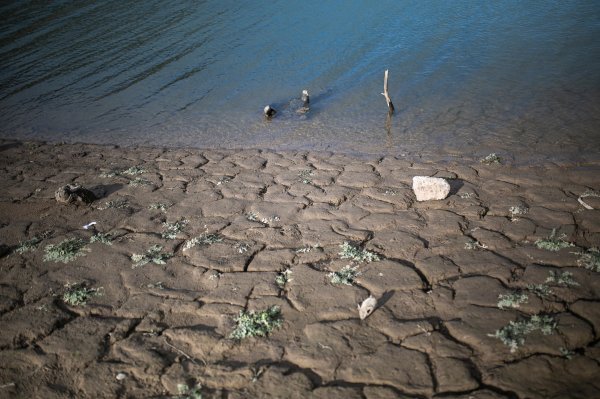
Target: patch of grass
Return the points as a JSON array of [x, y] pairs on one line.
[[104, 238], [270, 220], [153, 255], [134, 171], [513, 334], [346, 275], [590, 259], [491, 159], [79, 294], [466, 195], [257, 324], [160, 206], [65, 251], [32, 243], [553, 243], [283, 278], [172, 229], [541, 290], [356, 254], [204, 239], [138, 181], [184, 391], [116, 204], [512, 300], [390, 191], [564, 279], [110, 173], [224, 180]]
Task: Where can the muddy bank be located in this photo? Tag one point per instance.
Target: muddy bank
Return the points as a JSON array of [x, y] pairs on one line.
[[491, 293]]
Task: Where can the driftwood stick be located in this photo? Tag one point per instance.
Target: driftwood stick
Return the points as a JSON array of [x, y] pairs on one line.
[[385, 92], [183, 353]]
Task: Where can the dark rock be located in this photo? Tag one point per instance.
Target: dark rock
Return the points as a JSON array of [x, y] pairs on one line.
[[74, 193]]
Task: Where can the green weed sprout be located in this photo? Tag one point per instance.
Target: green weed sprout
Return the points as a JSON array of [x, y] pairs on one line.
[[65, 251], [184, 391], [356, 254], [305, 176], [512, 300], [491, 159], [32, 243], [283, 278], [115, 204], [153, 255], [590, 259], [172, 229], [104, 238], [204, 239], [553, 243], [346, 275], [513, 334], [138, 181], [134, 171], [252, 324], [564, 279], [79, 294], [541, 290], [159, 206]]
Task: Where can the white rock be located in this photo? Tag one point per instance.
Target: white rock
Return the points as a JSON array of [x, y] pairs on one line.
[[430, 188], [367, 307], [121, 376]]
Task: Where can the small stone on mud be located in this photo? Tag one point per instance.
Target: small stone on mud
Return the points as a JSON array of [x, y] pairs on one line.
[[367, 307], [430, 188], [73, 193], [121, 376]]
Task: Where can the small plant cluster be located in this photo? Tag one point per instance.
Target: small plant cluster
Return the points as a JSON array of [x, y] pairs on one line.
[[590, 259], [224, 180], [257, 324], [104, 238], [308, 248], [491, 159], [474, 244], [348, 251], [32, 243], [517, 210], [242, 247], [204, 239], [512, 300], [305, 176], [513, 334], [346, 275], [159, 206], [553, 243], [65, 251], [153, 255], [184, 391], [252, 216], [283, 278], [79, 294], [172, 229], [541, 290]]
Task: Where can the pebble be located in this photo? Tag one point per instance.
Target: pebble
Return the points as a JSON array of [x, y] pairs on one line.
[[430, 188]]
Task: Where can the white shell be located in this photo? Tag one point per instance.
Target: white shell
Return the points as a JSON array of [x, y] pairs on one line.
[[367, 307]]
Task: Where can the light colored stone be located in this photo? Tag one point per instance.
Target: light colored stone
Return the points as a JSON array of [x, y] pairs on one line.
[[430, 188]]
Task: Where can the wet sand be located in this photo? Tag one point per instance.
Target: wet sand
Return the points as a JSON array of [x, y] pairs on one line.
[[442, 267]]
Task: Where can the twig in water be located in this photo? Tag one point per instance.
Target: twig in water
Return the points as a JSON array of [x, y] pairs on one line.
[[385, 92]]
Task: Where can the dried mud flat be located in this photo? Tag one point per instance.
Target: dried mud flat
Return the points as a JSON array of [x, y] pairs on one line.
[[450, 276]]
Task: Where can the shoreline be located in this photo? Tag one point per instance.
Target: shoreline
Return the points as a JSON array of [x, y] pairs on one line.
[[449, 276]]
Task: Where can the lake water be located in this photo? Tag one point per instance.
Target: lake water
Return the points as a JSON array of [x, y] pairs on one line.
[[520, 78]]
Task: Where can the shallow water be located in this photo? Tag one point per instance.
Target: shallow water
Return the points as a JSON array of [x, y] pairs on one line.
[[518, 78]]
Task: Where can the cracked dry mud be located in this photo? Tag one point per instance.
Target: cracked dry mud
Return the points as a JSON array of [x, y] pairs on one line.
[[443, 266]]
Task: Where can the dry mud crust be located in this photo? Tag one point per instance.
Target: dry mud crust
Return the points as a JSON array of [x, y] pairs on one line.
[[191, 238]]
